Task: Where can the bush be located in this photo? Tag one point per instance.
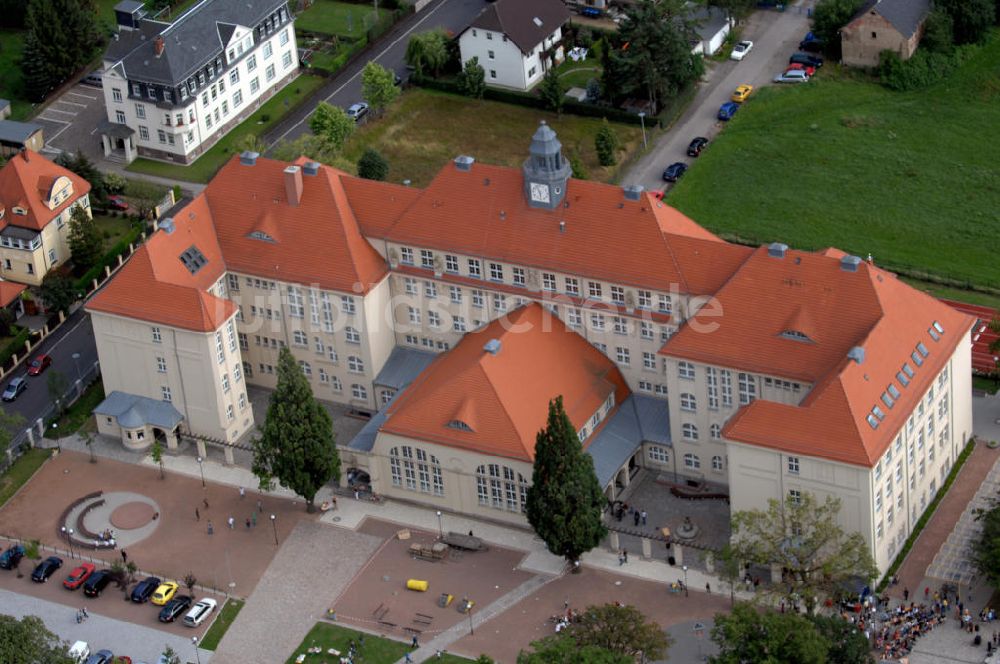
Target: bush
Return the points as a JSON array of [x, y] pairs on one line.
[[15, 345], [606, 144], [579, 170], [922, 70], [31, 549], [372, 166]]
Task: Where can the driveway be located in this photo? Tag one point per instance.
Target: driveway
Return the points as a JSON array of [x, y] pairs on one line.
[[70, 122], [775, 36]]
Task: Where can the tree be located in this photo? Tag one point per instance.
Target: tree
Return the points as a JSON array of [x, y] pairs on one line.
[[29, 640], [57, 385], [971, 18], [372, 165], [829, 16], [846, 644], [485, 659], [190, 581], [552, 91], [58, 291], [803, 537], [427, 52], [156, 453], [472, 79], [85, 242], [88, 440], [986, 547], [593, 90], [565, 500], [61, 36], [729, 569], [561, 649], [296, 446], [309, 145], [145, 196], [939, 32], [9, 422], [606, 144], [169, 656], [620, 629], [378, 87], [766, 637], [332, 126], [113, 183], [80, 164]]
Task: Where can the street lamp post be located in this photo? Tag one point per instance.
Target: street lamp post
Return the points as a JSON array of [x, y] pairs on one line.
[[68, 534], [194, 642], [202, 469], [76, 360], [471, 630], [642, 121], [440, 528], [685, 568], [275, 529], [55, 434]]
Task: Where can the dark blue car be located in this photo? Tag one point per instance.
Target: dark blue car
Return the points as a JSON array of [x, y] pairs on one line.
[[674, 171], [11, 557], [145, 589], [728, 110], [590, 12]]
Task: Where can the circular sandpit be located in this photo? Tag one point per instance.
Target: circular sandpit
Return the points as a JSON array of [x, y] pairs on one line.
[[132, 515]]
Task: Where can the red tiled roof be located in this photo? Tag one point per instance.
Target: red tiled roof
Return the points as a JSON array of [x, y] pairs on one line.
[[503, 398], [25, 181], [377, 205], [10, 291]]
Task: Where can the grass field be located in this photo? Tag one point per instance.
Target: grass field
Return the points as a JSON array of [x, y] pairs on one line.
[[425, 129], [338, 18], [11, 81], [207, 164], [907, 177], [227, 614], [112, 229], [79, 416], [374, 650], [21, 472]]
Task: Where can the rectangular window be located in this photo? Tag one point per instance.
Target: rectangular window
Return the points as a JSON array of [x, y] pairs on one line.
[[426, 259], [165, 391], [572, 286], [645, 299], [499, 303], [621, 325], [283, 39], [120, 117], [645, 329], [648, 360], [793, 465], [252, 63], [269, 72], [548, 281], [347, 304], [622, 355], [594, 290], [268, 50], [254, 85], [748, 388], [451, 263], [795, 495], [573, 317], [496, 272], [712, 381], [116, 94], [597, 322], [140, 111], [475, 269], [286, 59], [296, 305], [143, 132], [220, 352], [456, 294], [430, 289], [618, 295], [519, 279], [727, 388], [157, 336], [161, 365], [477, 299]]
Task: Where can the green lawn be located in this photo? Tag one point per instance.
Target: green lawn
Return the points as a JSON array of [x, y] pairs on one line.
[[206, 166], [376, 650], [907, 177], [79, 416], [985, 384], [425, 129], [338, 18], [112, 229], [11, 81], [21, 472], [226, 616]]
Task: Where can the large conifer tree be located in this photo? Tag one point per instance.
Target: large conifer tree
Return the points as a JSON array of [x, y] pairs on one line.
[[296, 446], [565, 500]]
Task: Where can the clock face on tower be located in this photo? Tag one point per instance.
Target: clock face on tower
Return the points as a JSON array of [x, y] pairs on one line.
[[539, 192]]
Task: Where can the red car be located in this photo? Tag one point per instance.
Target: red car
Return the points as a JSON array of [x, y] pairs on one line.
[[77, 577], [39, 364], [798, 65], [117, 203]]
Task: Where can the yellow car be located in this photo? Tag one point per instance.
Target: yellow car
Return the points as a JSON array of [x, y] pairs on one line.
[[164, 593], [742, 93]]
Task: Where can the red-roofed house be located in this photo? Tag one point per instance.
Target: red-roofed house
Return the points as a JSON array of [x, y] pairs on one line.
[[37, 198]]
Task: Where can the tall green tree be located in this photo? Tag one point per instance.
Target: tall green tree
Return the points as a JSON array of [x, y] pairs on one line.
[[332, 126], [803, 537], [845, 643], [552, 91], [766, 637], [565, 500], [829, 16], [472, 79], [620, 629], [58, 291], [939, 32], [606, 144], [62, 36], [372, 165], [561, 649], [144, 196], [296, 446], [29, 640], [729, 567], [971, 19], [156, 454], [85, 242], [427, 52], [169, 656], [80, 164], [986, 547], [378, 87]]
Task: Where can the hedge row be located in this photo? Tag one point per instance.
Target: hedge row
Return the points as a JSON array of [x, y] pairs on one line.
[[15, 345], [110, 259]]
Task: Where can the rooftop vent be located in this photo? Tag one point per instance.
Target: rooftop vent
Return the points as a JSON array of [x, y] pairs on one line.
[[158, 46], [633, 192], [562, 226], [249, 158], [850, 263], [857, 354], [293, 184], [492, 346], [537, 21], [310, 168], [166, 224], [777, 250], [464, 162]]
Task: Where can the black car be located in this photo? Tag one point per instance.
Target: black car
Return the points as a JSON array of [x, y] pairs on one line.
[[811, 46], [11, 557], [674, 171], [806, 60], [696, 146], [97, 582], [46, 568], [101, 657], [174, 608], [145, 589]]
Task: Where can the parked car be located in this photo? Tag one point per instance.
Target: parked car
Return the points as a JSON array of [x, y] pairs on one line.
[[39, 364], [78, 576], [145, 589], [806, 59], [117, 203], [199, 612], [696, 146], [811, 45], [357, 111], [809, 69], [792, 76], [12, 556], [101, 657], [14, 388], [672, 172], [174, 608], [79, 652], [728, 110], [95, 77], [741, 50], [590, 12], [742, 93], [46, 568], [97, 582], [165, 592]]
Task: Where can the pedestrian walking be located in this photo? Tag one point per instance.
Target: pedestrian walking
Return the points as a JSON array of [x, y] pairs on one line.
[[407, 658], [414, 644], [204, 501], [248, 524], [636, 518], [927, 592], [210, 528], [232, 523], [84, 612], [644, 517], [243, 493], [625, 554], [253, 519], [906, 594], [124, 557], [708, 588], [197, 514], [260, 506], [621, 558]]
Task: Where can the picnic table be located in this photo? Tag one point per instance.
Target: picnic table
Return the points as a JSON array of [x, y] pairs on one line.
[[462, 541]]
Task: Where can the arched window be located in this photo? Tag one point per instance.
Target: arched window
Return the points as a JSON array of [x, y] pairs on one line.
[[715, 431], [689, 431], [501, 488], [688, 402], [692, 461], [413, 469], [716, 463]]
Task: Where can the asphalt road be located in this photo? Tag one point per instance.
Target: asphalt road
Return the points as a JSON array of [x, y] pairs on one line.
[[75, 336], [345, 88], [775, 36]]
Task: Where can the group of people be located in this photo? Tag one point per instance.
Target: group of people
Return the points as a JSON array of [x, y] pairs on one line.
[[901, 627], [620, 510]]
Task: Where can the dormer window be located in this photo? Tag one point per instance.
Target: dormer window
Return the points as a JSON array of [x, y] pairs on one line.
[[917, 360], [460, 425], [922, 349], [893, 392], [20, 211], [261, 235], [907, 369], [796, 335]]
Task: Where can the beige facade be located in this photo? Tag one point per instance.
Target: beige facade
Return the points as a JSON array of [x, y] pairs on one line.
[[864, 39]]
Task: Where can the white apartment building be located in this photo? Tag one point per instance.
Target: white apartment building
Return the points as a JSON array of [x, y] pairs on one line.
[[172, 90]]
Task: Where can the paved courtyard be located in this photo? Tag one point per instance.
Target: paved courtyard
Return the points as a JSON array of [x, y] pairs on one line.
[[70, 122]]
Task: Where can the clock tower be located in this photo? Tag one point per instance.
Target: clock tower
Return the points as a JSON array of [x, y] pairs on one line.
[[546, 173]]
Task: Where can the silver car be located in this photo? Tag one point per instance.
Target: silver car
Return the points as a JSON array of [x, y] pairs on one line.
[[792, 76]]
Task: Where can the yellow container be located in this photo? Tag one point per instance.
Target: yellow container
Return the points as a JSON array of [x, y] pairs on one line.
[[416, 584]]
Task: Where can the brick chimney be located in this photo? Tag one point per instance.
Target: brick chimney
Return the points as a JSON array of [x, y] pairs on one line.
[[293, 184], [158, 46]]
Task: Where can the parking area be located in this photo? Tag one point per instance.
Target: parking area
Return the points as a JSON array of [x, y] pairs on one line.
[[70, 122]]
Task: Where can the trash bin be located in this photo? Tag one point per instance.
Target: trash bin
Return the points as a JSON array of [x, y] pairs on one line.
[[671, 561], [416, 584]]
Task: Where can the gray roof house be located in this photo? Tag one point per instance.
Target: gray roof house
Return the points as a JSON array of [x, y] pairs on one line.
[[880, 25]]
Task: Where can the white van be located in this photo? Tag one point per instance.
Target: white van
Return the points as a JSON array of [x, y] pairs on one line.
[[95, 78], [79, 651], [199, 612]]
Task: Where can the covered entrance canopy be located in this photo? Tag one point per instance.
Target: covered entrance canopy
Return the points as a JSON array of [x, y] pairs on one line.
[[118, 141]]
